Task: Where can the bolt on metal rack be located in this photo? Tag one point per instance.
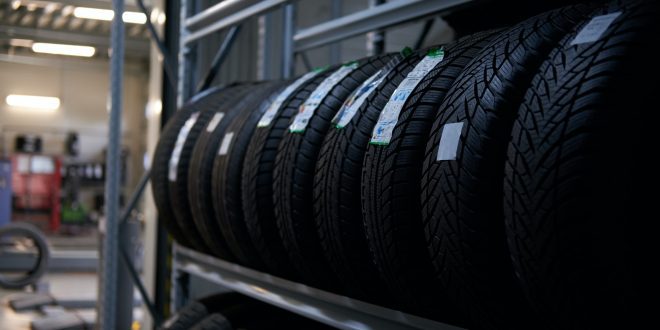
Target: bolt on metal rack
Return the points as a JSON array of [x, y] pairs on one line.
[[338, 311]]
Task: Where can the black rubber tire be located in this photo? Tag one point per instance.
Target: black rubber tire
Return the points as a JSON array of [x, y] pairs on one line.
[[461, 198], [293, 178], [337, 203], [215, 321], [390, 189], [257, 188], [159, 178], [226, 174], [186, 317], [179, 190], [43, 254], [202, 204], [577, 173]]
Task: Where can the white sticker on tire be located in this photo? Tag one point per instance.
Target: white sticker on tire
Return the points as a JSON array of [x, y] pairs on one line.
[[448, 147], [270, 113], [226, 142], [214, 121], [357, 98], [595, 28], [314, 100], [178, 146], [382, 133]]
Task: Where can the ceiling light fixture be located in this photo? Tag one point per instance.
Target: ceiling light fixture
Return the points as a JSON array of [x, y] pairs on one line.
[[107, 15], [61, 49], [47, 103]]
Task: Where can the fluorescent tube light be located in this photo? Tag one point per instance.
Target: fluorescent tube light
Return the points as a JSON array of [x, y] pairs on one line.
[[61, 49], [34, 102], [107, 15], [134, 17], [94, 13]]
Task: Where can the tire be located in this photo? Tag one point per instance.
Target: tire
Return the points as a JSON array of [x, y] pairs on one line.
[[461, 195], [186, 317], [215, 321], [227, 169], [257, 178], [178, 185], [293, 176], [43, 255], [337, 204], [576, 177], [390, 188], [159, 178]]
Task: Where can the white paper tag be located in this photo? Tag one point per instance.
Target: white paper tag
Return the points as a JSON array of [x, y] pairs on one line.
[[214, 121], [314, 100], [595, 28], [382, 133], [355, 100], [270, 113], [226, 142], [178, 146], [448, 147]]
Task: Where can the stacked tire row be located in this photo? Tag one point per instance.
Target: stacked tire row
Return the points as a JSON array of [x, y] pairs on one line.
[[494, 182]]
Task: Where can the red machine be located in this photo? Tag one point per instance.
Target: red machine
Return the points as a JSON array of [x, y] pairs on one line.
[[36, 185]]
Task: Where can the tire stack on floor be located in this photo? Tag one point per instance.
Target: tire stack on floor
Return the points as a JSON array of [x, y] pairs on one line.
[[494, 182]]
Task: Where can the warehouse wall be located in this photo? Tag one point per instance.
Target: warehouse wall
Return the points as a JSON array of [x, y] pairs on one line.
[[82, 86]]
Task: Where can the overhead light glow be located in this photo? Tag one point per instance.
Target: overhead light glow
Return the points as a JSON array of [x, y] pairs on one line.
[[33, 102], [107, 15], [61, 49], [134, 17], [94, 13]]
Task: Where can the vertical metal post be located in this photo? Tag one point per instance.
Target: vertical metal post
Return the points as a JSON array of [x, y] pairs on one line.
[[264, 47], [183, 88], [108, 304], [128, 236], [335, 47], [288, 24], [375, 39]]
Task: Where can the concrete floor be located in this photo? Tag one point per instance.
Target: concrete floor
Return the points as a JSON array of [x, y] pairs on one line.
[[65, 286]]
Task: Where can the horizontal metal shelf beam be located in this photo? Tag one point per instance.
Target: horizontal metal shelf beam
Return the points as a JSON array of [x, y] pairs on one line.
[[331, 309], [218, 11], [227, 21], [379, 17]]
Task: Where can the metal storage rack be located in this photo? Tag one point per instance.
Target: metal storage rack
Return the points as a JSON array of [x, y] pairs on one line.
[[335, 310]]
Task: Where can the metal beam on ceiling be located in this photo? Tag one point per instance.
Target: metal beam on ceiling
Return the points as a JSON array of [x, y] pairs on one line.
[[379, 17], [101, 4], [132, 45]]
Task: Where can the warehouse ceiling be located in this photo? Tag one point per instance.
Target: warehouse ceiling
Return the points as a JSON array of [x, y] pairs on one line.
[[25, 22]]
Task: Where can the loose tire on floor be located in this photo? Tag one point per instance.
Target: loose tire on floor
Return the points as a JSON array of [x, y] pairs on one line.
[[227, 169], [464, 165], [178, 167], [293, 173], [577, 171], [391, 173], [17, 230], [257, 178]]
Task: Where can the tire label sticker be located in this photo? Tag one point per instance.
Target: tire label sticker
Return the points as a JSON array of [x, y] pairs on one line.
[[358, 96], [215, 121], [308, 108], [448, 147], [382, 133], [226, 142], [595, 28], [270, 113], [178, 146]]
